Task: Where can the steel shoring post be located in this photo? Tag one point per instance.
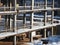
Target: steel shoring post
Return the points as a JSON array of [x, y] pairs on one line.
[[24, 15], [14, 42], [6, 19], [9, 22], [24, 20], [52, 16], [45, 24], [15, 29], [31, 19], [10, 17], [6, 22], [52, 31], [45, 19], [32, 14], [31, 26], [52, 21], [0, 5]]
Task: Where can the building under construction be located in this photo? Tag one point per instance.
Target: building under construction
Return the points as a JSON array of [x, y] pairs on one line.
[[29, 19]]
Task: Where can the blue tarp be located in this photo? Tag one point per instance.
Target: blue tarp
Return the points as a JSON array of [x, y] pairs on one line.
[[54, 38]]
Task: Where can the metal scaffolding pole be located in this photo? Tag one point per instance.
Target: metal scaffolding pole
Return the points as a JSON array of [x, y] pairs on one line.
[[9, 23], [14, 29], [52, 13], [32, 14], [45, 18], [0, 5], [24, 15], [52, 31], [52, 16], [31, 19], [10, 17], [24, 20], [6, 18], [6, 23], [14, 20]]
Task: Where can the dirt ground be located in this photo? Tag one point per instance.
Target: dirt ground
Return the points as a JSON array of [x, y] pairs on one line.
[[11, 43]]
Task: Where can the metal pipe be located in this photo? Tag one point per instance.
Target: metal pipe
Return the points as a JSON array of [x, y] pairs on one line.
[[52, 17], [24, 19], [31, 19], [14, 21], [32, 14], [45, 18], [24, 15]]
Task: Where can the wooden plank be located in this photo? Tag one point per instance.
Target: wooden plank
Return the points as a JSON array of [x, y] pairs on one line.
[[6, 34], [19, 31]]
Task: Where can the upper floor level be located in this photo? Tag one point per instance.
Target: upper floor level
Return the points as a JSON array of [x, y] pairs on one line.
[[27, 4]]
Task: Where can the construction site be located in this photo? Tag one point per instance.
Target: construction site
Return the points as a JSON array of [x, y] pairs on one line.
[[29, 22]]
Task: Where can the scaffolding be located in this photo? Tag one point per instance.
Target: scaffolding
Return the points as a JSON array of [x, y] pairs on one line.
[[11, 11]]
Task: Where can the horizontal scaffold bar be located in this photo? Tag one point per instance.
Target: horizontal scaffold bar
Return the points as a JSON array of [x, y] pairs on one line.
[[26, 11]]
